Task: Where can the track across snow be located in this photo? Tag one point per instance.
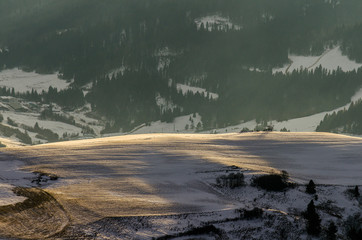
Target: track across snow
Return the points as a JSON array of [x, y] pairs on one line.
[[330, 60]]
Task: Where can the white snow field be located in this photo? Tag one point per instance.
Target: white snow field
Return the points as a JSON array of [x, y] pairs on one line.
[[26, 81], [105, 183], [330, 60]]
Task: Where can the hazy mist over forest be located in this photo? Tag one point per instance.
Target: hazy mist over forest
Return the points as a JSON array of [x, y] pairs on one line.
[[184, 66]]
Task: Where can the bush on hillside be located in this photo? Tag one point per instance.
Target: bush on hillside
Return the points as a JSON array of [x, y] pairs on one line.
[[353, 227], [310, 189], [272, 182], [232, 180], [252, 214], [313, 220]]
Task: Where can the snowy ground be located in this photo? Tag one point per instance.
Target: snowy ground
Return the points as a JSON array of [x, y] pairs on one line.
[[26, 81], [330, 60], [11, 176], [30, 119], [173, 176]]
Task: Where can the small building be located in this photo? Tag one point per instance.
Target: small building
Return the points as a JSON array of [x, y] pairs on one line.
[[16, 105]]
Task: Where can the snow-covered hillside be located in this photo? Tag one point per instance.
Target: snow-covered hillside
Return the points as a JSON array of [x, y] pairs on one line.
[[111, 188]]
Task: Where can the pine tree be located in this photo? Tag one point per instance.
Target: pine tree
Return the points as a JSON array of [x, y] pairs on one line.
[[310, 187], [331, 231], [313, 220], [356, 192]]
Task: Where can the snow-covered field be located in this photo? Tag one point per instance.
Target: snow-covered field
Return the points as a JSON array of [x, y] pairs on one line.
[[30, 119], [107, 184], [26, 81], [330, 60]]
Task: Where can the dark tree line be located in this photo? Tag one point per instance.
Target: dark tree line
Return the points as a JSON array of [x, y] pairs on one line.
[[344, 121], [71, 97]]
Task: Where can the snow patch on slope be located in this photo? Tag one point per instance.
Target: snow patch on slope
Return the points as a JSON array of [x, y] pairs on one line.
[[185, 89], [11, 176], [164, 104], [330, 60], [221, 23], [183, 124], [30, 119], [117, 71], [165, 56], [26, 81]]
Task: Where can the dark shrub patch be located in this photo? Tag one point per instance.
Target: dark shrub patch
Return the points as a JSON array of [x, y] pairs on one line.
[[353, 227], [310, 189], [232, 180], [254, 213], [313, 220], [209, 229], [354, 192], [272, 182]]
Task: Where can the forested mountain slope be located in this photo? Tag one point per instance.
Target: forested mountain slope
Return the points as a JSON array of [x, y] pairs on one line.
[[133, 51]]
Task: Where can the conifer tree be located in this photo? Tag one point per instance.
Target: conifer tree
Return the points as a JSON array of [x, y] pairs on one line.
[[356, 192], [313, 220], [310, 187], [331, 231]]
